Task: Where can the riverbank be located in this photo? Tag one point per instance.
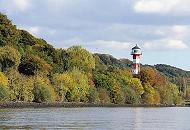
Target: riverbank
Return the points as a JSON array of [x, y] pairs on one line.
[[73, 105]]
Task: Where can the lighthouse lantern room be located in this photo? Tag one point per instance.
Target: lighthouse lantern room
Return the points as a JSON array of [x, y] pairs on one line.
[[136, 53]]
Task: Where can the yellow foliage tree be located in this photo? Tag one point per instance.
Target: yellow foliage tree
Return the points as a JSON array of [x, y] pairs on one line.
[[20, 87], [43, 90], [61, 83], [4, 91], [9, 58], [135, 83], [150, 96]]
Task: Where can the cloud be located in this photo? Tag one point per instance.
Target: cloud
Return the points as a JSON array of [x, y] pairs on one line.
[[180, 32], [165, 44], [59, 5], [34, 30], [98, 44], [12, 6], [39, 31], [117, 48], [176, 7], [116, 45], [179, 29], [155, 6]]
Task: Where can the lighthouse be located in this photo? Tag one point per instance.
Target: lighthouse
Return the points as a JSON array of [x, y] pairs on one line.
[[136, 53]]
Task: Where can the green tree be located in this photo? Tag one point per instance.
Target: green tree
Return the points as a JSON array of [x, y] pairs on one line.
[[103, 81], [8, 32], [131, 97], [93, 95], [170, 94], [80, 58], [104, 96]]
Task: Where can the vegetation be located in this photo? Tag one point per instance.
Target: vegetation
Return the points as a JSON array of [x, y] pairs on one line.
[[31, 70]]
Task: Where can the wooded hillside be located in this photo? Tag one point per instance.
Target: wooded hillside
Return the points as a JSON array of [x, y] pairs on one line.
[[34, 71]]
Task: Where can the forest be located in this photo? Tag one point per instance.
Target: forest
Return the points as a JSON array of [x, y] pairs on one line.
[[31, 70]]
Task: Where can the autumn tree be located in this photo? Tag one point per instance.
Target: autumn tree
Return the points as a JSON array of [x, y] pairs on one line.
[[43, 90], [135, 84], [150, 96], [150, 75], [81, 85], [116, 94], [61, 84], [9, 58], [73, 85], [20, 87], [4, 90], [32, 64]]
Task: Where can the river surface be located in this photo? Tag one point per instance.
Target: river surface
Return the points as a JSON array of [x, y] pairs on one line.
[[124, 118]]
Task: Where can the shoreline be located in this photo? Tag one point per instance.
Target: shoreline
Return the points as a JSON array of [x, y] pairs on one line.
[[74, 105]]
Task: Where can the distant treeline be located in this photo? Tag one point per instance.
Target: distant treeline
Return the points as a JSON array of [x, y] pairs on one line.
[[33, 71]]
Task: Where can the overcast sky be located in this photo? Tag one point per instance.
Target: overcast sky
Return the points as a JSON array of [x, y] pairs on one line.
[[160, 27]]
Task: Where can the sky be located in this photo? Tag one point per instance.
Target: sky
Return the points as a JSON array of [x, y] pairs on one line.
[[160, 27]]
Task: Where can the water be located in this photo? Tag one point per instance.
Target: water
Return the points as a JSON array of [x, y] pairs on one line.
[[174, 118]]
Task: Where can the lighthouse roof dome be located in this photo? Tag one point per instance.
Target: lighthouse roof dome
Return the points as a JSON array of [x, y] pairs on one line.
[[136, 47]]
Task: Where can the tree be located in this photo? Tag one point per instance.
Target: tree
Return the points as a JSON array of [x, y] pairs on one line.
[[26, 38], [80, 58], [73, 85], [150, 75], [93, 95], [150, 96], [135, 83], [43, 91], [4, 91], [32, 64], [8, 32], [9, 58], [61, 83], [103, 95], [20, 87], [117, 95], [103, 81], [131, 97], [81, 87]]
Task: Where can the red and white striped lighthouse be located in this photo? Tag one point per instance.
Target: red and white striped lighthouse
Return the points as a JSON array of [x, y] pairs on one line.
[[136, 52]]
